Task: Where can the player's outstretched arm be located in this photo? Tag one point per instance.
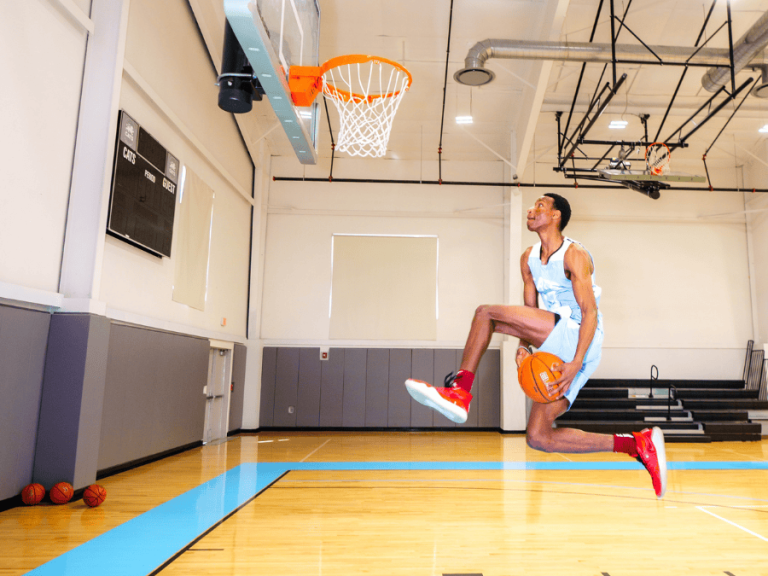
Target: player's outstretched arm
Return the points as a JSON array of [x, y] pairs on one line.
[[530, 298], [579, 264]]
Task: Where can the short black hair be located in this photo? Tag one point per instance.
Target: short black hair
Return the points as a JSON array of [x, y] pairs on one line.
[[563, 206]]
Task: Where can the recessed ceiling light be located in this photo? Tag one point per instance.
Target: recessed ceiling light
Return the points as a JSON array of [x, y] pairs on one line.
[[618, 124], [764, 129], [463, 119]]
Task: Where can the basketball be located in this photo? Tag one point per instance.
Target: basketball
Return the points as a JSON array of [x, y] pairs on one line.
[[94, 495], [61, 493], [535, 375], [32, 494]]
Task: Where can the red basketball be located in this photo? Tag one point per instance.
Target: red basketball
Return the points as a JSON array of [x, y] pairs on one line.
[[536, 376], [61, 493], [94, 495], [32, 494]]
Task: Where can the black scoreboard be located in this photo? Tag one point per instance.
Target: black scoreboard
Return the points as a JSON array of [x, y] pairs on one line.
[[144, 185]]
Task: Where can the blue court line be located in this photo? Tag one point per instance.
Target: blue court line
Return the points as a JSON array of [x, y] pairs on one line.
[[143, 544]]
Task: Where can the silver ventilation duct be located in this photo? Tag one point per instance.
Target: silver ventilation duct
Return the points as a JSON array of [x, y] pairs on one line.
[[744, 50], [761, 86], [474, 72]]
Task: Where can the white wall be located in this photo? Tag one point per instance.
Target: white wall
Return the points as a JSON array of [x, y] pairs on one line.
[[42, 52], [302, 216], [170, 92], [757, 176]]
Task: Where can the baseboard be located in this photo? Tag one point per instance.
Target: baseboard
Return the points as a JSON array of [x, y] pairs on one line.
[[244, 431], [111, 471], [11, 502], [512, 431]]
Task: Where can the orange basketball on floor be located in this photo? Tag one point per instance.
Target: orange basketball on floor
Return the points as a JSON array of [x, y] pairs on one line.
[[535, 374], [32, 494], [94, 495], [61, 493]]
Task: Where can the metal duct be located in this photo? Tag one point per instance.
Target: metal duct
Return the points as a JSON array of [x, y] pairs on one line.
[[744, 50], [474, 72]]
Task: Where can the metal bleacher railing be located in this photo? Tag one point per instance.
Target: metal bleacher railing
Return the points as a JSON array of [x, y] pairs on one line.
[[755, 372]]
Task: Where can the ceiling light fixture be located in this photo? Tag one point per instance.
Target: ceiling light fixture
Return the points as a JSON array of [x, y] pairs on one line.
[[764, 129], [617, 124], [463, 119]]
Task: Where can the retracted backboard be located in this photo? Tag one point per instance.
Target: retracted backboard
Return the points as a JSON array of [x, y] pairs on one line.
[[275, 35]]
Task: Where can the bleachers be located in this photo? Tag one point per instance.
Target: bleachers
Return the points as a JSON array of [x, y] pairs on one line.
[[686, 410]]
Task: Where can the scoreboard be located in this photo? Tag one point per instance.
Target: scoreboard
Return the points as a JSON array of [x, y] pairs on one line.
[[144, 185]]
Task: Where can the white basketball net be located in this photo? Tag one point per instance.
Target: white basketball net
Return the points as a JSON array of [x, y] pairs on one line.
[[657, 158], [365, 122]]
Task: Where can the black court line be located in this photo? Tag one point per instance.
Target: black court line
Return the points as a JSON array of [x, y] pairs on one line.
[[204, 534], [729, 574]]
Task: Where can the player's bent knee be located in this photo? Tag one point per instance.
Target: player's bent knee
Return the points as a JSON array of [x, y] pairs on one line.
[[484, 310], [539, 441]]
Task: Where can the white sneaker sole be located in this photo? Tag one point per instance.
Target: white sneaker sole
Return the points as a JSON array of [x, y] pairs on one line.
[[657, 437], [425, 394]]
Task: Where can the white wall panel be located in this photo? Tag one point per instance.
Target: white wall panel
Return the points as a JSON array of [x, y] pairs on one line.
[[303, 216], [42, 52], [757, 176], [164, 48]]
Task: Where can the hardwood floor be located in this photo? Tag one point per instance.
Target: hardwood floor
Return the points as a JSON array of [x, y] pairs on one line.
[[578, 520]]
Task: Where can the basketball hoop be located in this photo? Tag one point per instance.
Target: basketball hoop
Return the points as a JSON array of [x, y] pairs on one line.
[[657, 157], [366, 90]]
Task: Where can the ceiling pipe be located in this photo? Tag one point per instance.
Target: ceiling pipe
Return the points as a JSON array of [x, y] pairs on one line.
[[474, 72], [745, 50]]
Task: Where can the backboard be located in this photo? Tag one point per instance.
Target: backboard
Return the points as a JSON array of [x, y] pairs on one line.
[[275, 35], [645, 182], [646, 176]]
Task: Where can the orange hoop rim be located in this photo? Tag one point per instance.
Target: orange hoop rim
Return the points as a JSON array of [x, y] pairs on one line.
[[656, 171], [361, 59]]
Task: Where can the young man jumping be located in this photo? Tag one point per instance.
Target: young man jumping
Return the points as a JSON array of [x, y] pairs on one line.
[[570, 326]]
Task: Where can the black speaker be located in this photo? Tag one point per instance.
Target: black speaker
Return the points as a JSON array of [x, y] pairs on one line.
[[237, 85]]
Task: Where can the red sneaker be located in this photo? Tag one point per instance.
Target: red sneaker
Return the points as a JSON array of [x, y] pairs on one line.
[[453, 403], [651, 454]]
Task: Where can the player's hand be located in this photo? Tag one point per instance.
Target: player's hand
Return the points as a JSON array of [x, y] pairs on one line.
[[568, 371], [522, 353]]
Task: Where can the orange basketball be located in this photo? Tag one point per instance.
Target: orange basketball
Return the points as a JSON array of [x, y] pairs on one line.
[[32, 494], [61, 493], [94, 495], [535, 374]]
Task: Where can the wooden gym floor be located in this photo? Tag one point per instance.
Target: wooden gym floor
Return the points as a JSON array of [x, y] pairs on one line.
[[406, 504]]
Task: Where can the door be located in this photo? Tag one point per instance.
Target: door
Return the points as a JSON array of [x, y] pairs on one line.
[[217, 394]]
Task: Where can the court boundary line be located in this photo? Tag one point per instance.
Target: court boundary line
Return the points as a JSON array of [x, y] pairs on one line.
[[747, 530]]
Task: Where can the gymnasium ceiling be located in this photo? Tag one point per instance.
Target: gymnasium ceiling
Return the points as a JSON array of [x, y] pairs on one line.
[[507, 114]]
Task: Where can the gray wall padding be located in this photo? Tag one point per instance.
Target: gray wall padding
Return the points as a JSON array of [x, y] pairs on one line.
[[238, 383], [23, 342], [153, 399], [69, 426], [365, 388]]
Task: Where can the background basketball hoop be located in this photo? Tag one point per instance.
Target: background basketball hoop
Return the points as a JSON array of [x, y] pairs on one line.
[[366, 90], [657, 157]]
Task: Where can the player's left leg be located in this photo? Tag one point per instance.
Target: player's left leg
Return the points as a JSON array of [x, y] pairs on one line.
[[647, 446]]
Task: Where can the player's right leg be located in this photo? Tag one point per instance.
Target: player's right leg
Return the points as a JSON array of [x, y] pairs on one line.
[[452, 400]]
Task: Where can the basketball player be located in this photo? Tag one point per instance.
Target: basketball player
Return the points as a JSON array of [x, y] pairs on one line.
[[570, 326]]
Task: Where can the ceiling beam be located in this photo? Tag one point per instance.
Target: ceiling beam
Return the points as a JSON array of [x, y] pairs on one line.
[[550, 27]]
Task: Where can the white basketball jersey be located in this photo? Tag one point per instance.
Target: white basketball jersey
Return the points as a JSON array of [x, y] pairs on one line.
[[554, 287]]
